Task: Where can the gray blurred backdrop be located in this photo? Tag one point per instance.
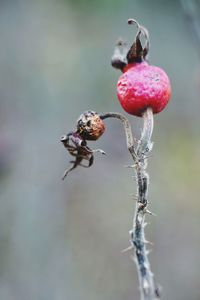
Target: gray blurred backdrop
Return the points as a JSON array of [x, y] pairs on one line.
[[63, 240]]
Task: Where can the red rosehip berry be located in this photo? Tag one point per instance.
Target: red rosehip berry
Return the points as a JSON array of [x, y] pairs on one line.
[[141, 85]]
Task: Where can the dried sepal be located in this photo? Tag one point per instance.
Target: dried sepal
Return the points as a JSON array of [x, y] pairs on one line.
[[136, 53]]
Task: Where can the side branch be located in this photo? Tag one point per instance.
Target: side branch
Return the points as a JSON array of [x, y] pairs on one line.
[[127, 129]]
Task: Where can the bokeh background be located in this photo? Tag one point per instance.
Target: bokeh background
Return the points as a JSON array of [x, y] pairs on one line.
[[63, 240]]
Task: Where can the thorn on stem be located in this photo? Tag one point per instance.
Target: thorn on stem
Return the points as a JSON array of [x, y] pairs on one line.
[[127, 249], [149, 212], [148, 242], [130, 166], [148, 156]]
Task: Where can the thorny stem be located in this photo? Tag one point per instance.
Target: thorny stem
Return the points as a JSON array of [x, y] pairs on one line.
[[148, 289]]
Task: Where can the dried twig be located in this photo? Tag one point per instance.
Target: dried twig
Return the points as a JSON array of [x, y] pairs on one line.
[[139, 154]]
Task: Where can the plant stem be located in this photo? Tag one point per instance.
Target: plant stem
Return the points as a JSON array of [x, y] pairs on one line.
[[139, 153], [147, 285], [127, 129]]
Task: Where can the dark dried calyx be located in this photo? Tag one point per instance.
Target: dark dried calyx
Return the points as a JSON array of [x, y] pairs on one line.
[[137, 52]]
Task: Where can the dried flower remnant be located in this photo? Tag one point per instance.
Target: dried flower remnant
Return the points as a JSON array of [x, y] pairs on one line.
[[89, 127]]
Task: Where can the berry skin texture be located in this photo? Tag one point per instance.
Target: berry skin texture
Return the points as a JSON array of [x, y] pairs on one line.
[[90, 126], [141, 86]]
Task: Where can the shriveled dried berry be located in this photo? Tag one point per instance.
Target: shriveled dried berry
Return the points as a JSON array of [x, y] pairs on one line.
[[90, 126]]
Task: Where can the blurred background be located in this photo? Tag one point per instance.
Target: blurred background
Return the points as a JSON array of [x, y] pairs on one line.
[[63, 240]]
